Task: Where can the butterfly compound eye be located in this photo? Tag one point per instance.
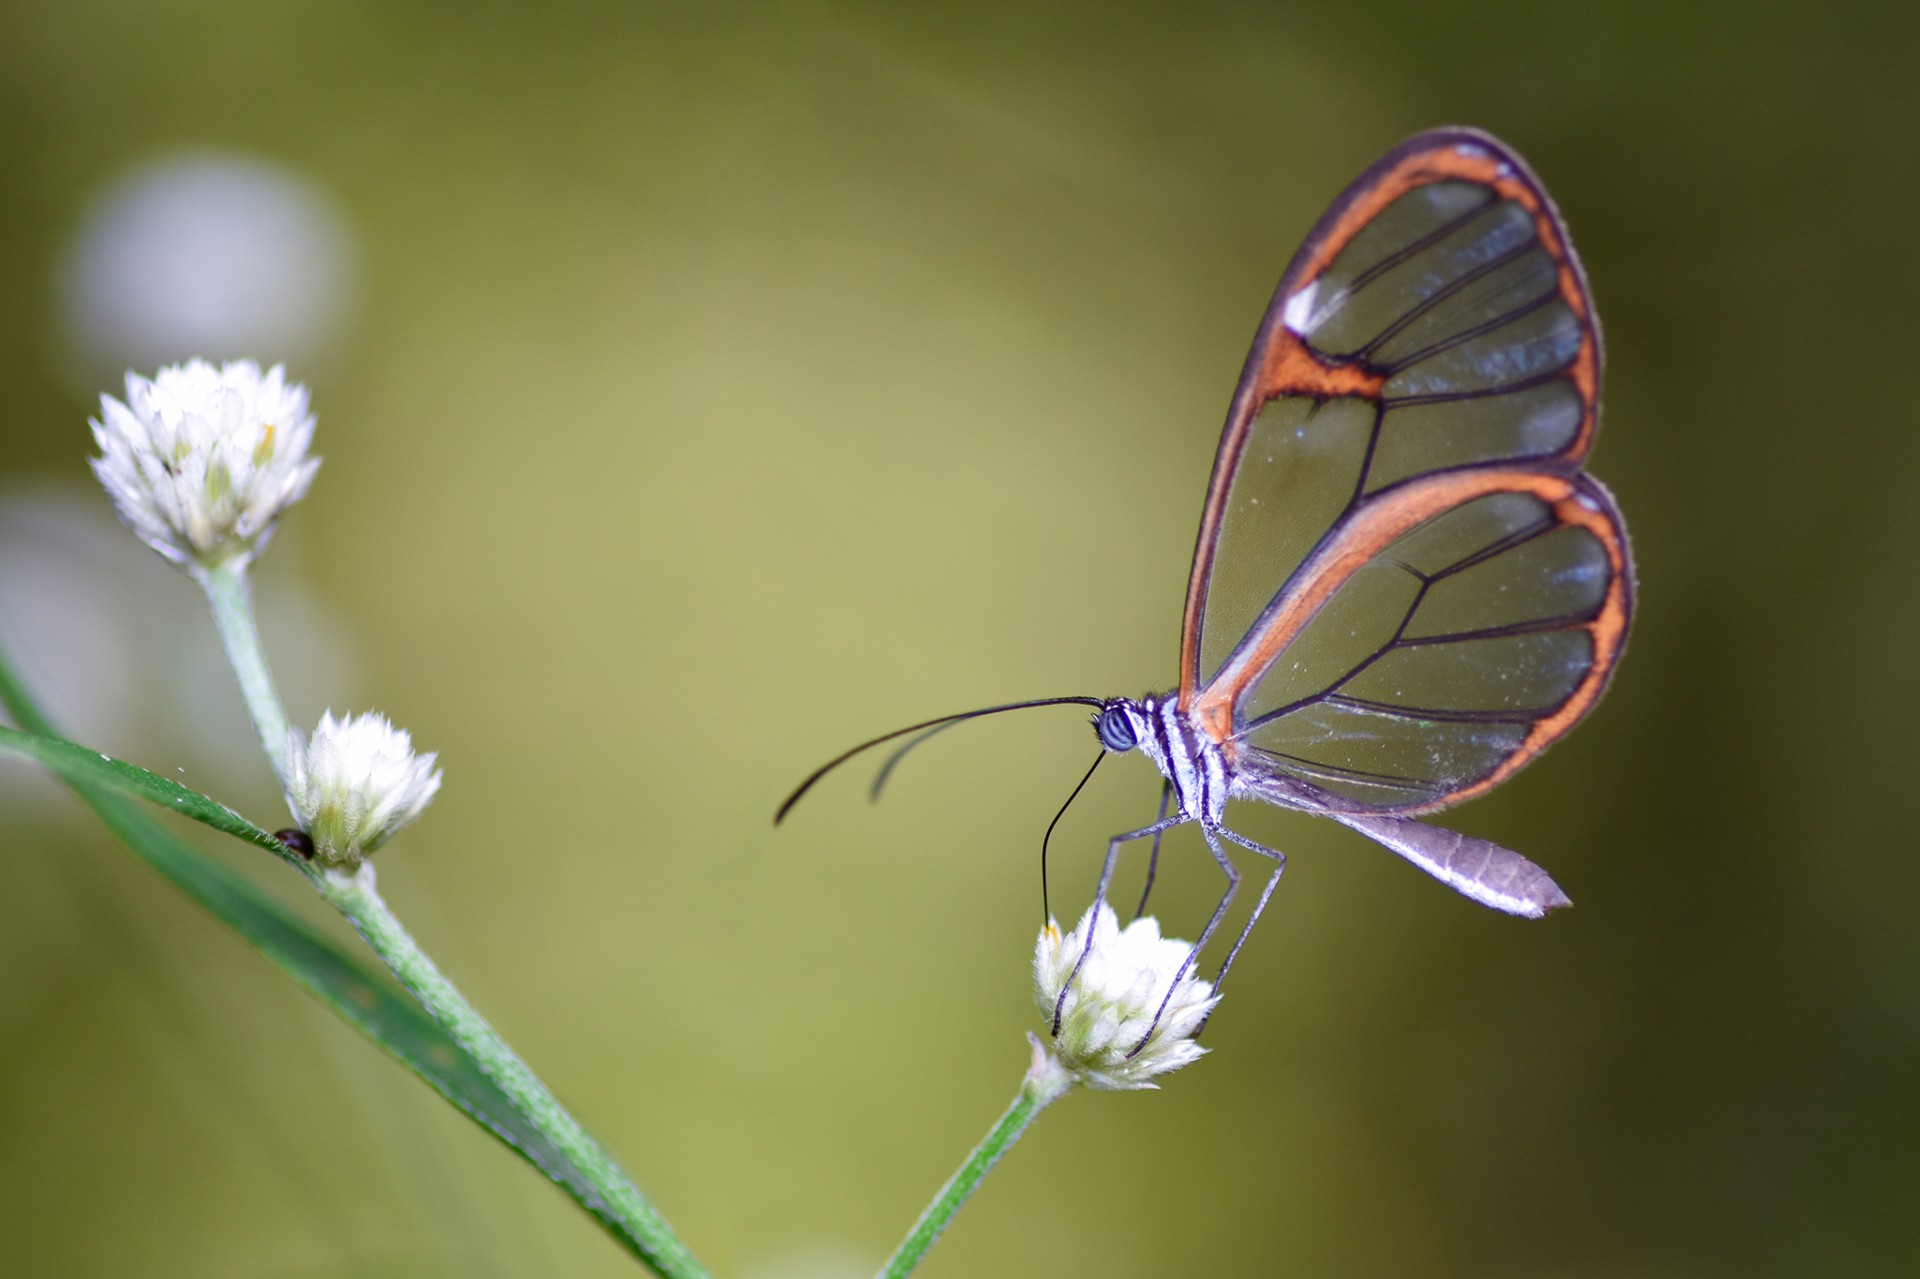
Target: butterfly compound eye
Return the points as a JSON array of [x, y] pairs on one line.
[[1115, 727]]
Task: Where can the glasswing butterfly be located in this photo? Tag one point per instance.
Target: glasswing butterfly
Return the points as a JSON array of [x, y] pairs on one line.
[[1405, 587]]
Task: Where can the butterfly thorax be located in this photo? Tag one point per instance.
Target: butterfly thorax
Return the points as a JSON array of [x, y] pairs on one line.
[[1188, 758]]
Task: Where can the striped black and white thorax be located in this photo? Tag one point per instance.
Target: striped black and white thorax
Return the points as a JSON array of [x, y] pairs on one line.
[[1187, 758]]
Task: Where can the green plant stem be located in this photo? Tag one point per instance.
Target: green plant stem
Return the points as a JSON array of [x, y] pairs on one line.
[[355, 896], [227, 591], [1046, 1082]]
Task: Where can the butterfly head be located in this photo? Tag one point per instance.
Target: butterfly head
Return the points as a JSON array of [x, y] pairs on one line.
[[1121, 723]]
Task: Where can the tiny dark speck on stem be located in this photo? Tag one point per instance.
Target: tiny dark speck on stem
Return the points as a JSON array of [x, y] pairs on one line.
[[297, 840]]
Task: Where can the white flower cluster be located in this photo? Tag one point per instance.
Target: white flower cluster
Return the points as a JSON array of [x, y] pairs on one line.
[[1114, 997], [201, 460], [356, 783]]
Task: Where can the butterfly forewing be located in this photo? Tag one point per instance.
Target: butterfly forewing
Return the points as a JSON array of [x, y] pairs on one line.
[[1300, 468], [1403, 588]]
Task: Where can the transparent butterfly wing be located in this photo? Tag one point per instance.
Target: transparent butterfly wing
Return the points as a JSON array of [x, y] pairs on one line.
[[1476, 868], [1429, 370], [1458, 649]]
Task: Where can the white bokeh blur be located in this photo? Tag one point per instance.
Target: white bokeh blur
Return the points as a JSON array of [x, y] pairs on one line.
[[204, 254]]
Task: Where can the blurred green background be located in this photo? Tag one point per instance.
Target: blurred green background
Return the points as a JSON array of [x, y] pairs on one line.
[[711, 387]]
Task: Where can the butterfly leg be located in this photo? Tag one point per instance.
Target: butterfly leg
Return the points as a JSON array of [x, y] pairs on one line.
[[1206, 934], [1154, 832], [1153, 858], [1259, 906]]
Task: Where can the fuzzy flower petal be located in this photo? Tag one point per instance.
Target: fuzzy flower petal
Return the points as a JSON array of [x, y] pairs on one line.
[[356, 783], [1113, 1000], [200, 461]]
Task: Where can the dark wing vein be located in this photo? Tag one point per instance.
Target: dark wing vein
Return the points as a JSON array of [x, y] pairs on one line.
[[1392, 402], [1538, 626], [1467, 335], [1314, 768], [1446, 291], [1512, 541], [1412, 250], [1434, 713]]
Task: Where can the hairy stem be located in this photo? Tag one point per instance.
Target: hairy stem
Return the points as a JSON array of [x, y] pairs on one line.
[[1046, 1082], [227, 591], [354, 895]]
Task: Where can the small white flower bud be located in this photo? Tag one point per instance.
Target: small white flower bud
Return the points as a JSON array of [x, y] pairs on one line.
[[1114, 997], [200, 461], [356, 783]]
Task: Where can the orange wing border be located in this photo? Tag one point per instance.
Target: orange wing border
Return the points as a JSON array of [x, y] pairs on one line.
[[1280, 363]]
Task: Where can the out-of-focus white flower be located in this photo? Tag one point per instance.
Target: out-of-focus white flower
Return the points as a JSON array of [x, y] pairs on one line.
[[200, 461], [1114, 997], [206, 253], [356, 783]]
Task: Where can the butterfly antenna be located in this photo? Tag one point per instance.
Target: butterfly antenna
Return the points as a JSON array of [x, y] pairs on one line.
[[1046, 908], [900, 753], [942, 722]]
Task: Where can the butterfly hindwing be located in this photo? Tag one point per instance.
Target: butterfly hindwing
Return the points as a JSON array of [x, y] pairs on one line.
[[1446, 637]]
